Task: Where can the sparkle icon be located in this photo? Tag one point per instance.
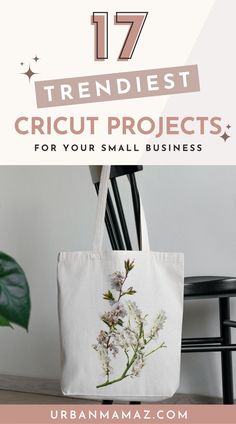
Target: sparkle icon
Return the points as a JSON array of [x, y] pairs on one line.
[[29, 73], [36, 58], [225, 136]]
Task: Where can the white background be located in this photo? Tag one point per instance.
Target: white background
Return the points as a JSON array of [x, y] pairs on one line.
[[175, 33], [44, 210]]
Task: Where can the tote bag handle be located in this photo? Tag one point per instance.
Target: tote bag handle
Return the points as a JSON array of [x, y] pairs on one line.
[[101, 210]]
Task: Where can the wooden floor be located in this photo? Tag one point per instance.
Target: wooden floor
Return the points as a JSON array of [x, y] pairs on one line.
[[11, 397], [28, 390]]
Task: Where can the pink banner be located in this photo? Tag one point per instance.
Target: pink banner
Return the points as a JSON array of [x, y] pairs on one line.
[[119, 86], [48, 414]]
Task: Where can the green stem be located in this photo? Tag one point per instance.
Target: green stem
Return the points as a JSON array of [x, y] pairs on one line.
[[127, 356], [121, 294], [108, 341], [111, 382], [124, 375], [154, 350]]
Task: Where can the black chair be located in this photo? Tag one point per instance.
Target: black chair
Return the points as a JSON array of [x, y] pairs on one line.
[[207, 287]]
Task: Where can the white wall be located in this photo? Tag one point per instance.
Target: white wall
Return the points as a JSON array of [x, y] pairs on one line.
[[47, 209]]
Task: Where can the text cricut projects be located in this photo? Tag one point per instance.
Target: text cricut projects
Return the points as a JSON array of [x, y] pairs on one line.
[[124, 125]]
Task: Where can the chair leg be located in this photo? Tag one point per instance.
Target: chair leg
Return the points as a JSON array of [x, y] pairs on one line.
[[226, 356]]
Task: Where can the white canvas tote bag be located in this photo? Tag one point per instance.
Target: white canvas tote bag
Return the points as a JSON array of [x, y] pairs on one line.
[[120, 315]]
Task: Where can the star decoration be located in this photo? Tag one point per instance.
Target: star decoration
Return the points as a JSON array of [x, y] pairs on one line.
[[228, 126], [29, 73], [225, 136], [36, 58]]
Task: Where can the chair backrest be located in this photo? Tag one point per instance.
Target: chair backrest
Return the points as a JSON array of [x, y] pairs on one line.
[[116, 222]]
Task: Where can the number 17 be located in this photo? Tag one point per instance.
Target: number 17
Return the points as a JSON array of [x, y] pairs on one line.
[[100, 20]]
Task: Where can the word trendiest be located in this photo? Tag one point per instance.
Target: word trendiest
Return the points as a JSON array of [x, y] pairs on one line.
[[124, 85]]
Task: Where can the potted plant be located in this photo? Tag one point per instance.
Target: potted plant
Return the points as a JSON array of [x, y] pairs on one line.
[[14, 293]]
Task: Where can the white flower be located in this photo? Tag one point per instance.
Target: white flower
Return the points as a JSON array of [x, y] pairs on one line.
[[105, 361], [106, 342], [135, 312], [117, 280], [111, 318], [137, 366], [102, 338], [113, 348], [119, 310], [158, 324], [104, 358], [126, 338]]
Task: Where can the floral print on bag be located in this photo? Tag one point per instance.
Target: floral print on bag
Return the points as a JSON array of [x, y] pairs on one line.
[[125, 331]]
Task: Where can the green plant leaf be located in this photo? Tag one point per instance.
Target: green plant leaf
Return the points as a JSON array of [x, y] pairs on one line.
[[4, 322], [131, 291], [129, 265], [14, 292], [108, 296], [106, 322], [120, 322]]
